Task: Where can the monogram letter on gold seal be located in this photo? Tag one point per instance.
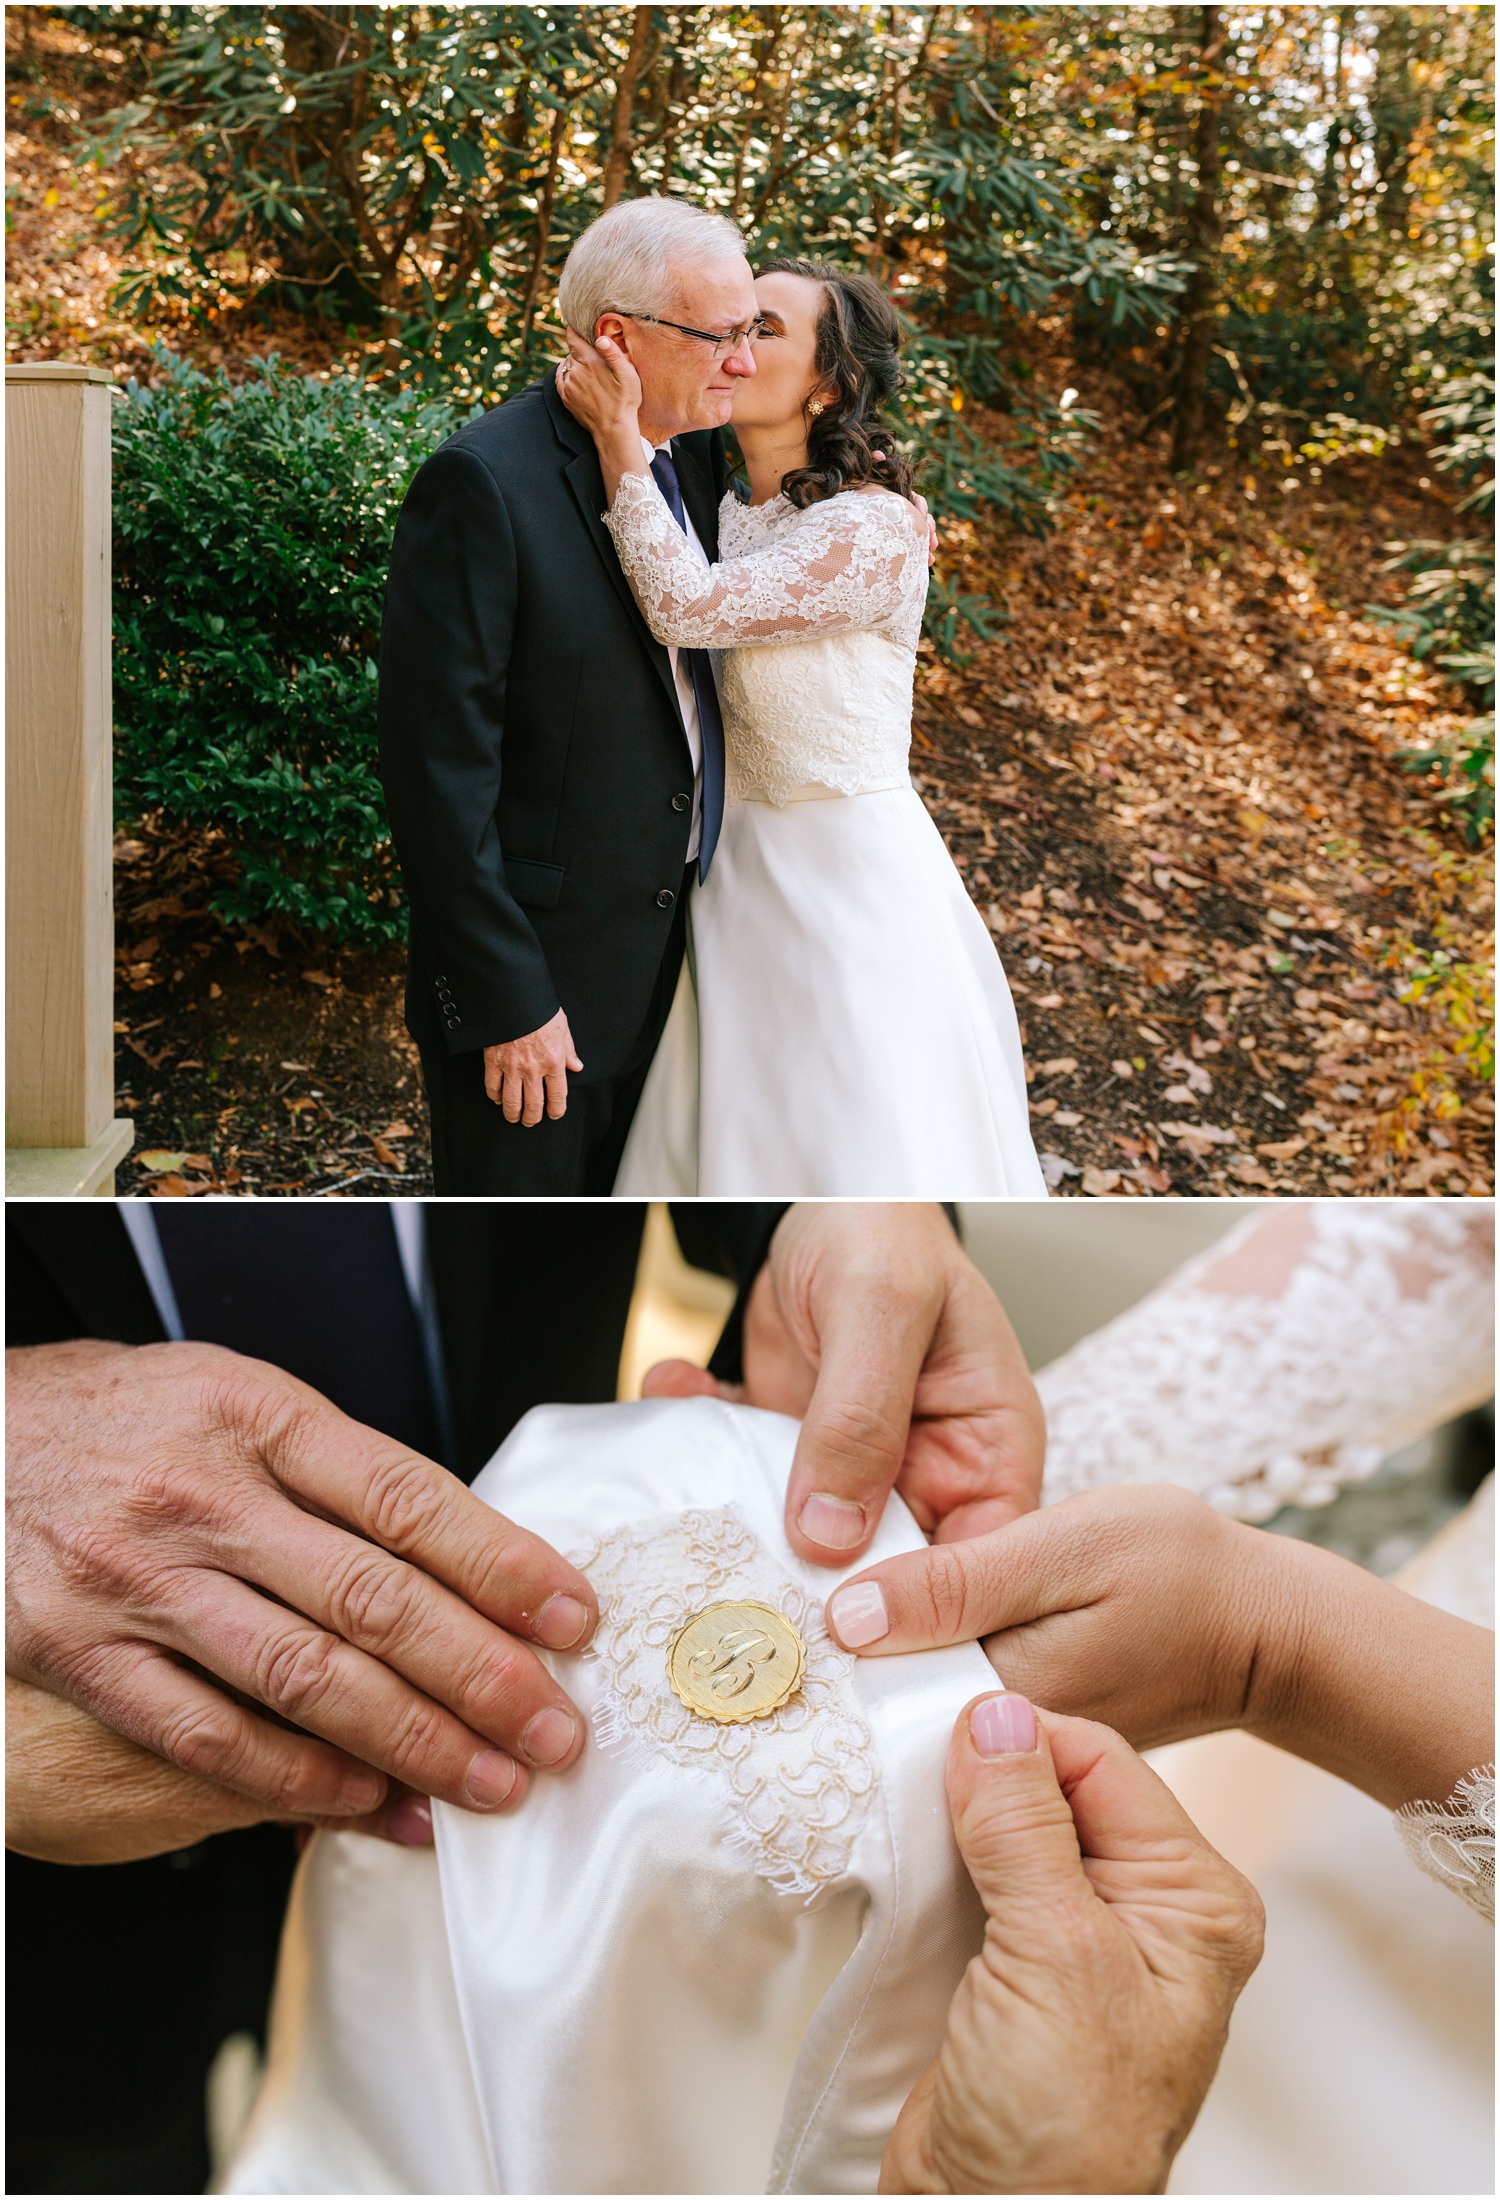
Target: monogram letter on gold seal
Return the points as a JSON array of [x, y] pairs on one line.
[[735, 1662]]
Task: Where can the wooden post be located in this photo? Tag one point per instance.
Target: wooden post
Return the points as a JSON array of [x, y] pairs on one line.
[[62, 1136]]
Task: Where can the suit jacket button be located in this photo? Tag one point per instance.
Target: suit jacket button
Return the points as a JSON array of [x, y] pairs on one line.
[[681, 802], [665, 898], [452, 1022]]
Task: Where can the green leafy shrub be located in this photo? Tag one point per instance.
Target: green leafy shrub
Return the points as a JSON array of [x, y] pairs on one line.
[[252, 527], [1449, 615]]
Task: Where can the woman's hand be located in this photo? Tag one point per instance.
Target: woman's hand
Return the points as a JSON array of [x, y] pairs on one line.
[[1088, 2029], [1141, 1607], [1147, 1609], [601, 388]]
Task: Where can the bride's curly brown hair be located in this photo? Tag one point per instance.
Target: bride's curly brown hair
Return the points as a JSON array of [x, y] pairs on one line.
[[859, 355]]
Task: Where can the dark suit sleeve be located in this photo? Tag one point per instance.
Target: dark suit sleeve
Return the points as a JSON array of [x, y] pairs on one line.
[[444, 655], [729, 1239]]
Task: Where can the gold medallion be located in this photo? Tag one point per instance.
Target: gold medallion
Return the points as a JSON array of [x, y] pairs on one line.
[[734, 1662]]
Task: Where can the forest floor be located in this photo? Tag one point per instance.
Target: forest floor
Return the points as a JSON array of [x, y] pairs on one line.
[[1172, 783]]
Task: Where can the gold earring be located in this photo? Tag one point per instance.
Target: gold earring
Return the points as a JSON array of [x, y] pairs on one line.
[[816, 407]]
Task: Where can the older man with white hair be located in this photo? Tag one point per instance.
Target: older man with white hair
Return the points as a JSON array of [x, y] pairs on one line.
[[554, 776]]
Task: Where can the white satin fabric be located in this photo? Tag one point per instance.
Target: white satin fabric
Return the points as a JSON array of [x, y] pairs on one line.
[[705, 1959], [844, 1026]]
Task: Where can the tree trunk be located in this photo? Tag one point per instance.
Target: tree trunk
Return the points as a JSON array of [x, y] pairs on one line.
[[765, 58], [1329, 196], [312, 45], [621, 143], [543, 227], [1203, 237]]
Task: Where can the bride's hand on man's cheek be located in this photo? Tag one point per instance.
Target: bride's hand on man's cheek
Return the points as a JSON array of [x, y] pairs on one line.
[[1142, 1607], [873, 1327], [1087, 2030], [598, 384]]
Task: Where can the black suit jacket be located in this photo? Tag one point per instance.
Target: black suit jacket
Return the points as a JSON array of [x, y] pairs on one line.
[[531, 1295], [536, 771]]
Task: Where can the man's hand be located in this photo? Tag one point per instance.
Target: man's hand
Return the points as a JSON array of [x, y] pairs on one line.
[[78, 1793], [932, 533], [1087, 2031], [871, 1325], [193, 1534], [528, 1078]]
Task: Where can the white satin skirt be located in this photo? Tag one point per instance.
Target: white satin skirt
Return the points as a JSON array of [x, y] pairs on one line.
[[842, 1025], [704, 1959]]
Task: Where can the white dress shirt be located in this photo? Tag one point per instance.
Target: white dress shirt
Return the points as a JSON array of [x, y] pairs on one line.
[[686, 700]]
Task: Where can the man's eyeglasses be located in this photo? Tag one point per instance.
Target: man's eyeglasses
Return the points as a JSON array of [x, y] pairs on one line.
[[723, 345]]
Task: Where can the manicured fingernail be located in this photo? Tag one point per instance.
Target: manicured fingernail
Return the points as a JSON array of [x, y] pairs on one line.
[[832, 1521], [1001, 1725], [561, 1622], [491, 1778], [858, 1614], [549, 1736], [361, 1792], [410, 1823]]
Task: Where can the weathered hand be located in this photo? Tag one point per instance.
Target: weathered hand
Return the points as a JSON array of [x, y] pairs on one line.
[[189, 1529], [78, 1793], [1088, 2029], [528, 1078], [871, 1325], [600, 387]]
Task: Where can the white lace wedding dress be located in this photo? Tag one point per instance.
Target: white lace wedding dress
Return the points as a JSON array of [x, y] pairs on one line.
[[843, 1024], [1292, 1358]]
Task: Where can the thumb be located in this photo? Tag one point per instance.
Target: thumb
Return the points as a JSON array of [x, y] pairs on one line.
[[1011, 1818], [873, 1336]]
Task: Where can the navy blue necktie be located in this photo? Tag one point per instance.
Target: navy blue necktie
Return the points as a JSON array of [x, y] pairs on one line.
[[705, 694], [318, 1291]]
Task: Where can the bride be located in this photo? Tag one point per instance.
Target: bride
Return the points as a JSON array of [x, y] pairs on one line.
[[843, 1025]]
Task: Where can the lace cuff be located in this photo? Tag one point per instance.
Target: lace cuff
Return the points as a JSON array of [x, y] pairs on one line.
[[1455, 1841], [1293, 1356], [843, 565]]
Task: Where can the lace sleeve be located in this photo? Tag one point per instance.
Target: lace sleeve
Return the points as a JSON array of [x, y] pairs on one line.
[[1291, 1357], [1455, 1841], [856, 561]]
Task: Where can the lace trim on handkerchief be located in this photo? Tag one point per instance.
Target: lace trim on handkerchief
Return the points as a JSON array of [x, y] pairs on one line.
[[796, 1785], [1455, 1841]]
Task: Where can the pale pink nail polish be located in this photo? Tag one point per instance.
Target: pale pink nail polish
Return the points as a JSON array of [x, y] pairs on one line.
[[833, 1522], [858, 1614], [410, 1823], [1002, 1725], [549, 1736], [561, 1622], [491, 1778]]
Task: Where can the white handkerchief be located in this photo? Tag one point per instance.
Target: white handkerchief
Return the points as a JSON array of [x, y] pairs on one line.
[[708, 1958]]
